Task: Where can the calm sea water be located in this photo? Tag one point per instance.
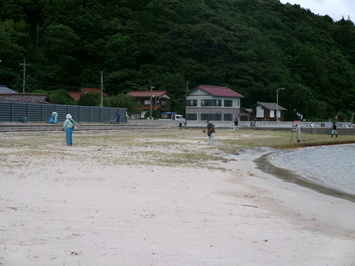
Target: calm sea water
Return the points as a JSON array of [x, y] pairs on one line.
[[331, 166]]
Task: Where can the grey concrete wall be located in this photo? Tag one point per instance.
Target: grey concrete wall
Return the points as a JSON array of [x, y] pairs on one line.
[[37, 112], [343, 128]]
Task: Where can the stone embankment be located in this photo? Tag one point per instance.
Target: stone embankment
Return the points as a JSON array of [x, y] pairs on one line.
[[143, 124]]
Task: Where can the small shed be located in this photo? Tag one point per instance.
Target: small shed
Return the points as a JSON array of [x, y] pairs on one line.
[[264, 111], [246, 114]]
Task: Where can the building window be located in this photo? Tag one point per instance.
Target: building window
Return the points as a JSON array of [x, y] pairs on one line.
[[210, 102], [211, 117], [191, 117], [191, 102], [206, 116], [217, 102], [206, 102], [228, 103], [147, 102], [228, 117]]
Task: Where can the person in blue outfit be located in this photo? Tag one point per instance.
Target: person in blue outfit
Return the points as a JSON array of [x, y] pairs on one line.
[[117, 117], [68, 126]]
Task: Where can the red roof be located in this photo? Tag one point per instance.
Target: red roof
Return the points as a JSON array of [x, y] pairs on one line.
[[220, 91], [146, 94], [88, 90], [75, 95]]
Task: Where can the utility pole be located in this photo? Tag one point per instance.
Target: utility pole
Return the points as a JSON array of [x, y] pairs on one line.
[[38, 29], [151, 104], [277, 103], [102, 88], [24, 75]]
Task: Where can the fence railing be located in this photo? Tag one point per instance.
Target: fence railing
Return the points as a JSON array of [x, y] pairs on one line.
[[37, 112]]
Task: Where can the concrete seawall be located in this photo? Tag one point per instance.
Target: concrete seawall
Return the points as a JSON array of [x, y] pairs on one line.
[[143, 124], [344, 128]]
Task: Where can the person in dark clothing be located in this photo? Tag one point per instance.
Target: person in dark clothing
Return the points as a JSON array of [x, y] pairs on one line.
[[210, 132], [334, 131], [236, 123]]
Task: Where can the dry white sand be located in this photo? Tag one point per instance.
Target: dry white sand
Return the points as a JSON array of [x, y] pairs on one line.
[[93, 204]]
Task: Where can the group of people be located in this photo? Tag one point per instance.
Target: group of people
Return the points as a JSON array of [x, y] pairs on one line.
[[69, 126], [297, 129], [211, 130]]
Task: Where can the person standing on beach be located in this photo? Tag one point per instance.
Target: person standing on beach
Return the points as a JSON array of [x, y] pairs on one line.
[[68, 127], [297, 129], [334, 131], [210, 132], [236, 123], [181, 121], [117, 117], [298, 133]]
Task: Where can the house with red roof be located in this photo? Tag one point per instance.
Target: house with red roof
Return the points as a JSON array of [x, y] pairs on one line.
[[76, 95], [160, 101], [215, 103]]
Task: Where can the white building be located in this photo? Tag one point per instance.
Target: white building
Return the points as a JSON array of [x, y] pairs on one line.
[[213, 103]]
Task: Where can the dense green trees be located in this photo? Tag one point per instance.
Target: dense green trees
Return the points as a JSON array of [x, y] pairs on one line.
[[251, 46], [122, 101]]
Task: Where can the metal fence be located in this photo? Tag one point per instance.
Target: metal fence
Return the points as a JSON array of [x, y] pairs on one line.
[[37, 112]]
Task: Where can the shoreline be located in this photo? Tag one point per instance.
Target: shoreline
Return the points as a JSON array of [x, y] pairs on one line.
[[297, 194], [102, 202], [266, 166]]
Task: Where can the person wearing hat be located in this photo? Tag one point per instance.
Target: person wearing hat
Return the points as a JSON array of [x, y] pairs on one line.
[[55, 117], [68, 127]]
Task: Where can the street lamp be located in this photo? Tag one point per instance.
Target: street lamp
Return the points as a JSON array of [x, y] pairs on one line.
[[150, 113], [277, 103]]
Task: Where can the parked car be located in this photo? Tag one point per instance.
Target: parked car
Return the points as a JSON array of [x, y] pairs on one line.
[[177, 117]]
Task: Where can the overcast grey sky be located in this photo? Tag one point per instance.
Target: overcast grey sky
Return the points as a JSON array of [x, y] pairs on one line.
[[336, 9]]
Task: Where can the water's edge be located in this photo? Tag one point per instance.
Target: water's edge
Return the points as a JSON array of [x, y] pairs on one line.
[[263, 164]]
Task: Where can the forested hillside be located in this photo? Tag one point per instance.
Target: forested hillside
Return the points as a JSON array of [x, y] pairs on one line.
[[252, 46]]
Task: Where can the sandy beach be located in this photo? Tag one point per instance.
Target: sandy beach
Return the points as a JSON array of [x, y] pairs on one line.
[[163, 198]]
